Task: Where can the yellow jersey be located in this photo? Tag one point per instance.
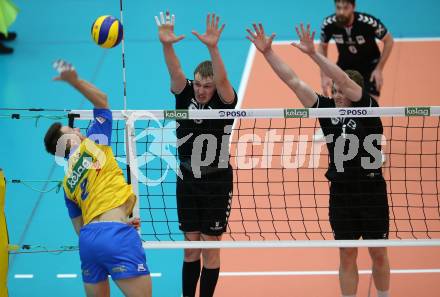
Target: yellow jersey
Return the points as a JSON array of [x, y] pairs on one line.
[[94, 183]]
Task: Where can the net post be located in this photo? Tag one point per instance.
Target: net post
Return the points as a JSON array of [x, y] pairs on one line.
[[132, 165]]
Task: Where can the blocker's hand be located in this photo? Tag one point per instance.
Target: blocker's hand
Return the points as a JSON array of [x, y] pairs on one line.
[[166, 28], [212, 35]]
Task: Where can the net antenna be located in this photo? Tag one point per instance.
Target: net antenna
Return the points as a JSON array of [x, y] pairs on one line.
[[131, 153], [130, 147], [124, 80]]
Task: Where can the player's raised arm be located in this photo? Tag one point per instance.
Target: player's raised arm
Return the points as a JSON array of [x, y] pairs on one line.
[[211, 38], [167, 37], [351, 89], [92, 93], [264, 44]]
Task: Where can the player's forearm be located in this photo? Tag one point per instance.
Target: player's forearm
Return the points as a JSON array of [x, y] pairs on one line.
[[386, 52], [330, 69], [284, 72], [305, 94], [218, 67], [93, 94], [173, 63], [323, 50]]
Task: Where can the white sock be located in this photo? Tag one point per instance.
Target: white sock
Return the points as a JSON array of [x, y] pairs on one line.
[[383, 293]]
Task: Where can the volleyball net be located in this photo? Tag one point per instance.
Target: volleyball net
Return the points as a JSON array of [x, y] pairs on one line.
[[280, 192]]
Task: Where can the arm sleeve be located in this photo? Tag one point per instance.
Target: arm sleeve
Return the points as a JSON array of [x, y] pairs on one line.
[[366, 101], [72, 207], [231, 105], [100, 131], [376, 25], [326, 33], [323, 102], [186, 92]]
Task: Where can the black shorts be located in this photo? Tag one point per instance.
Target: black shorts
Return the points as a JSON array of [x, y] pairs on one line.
[[204, 204], [359, 209], [370, 86]]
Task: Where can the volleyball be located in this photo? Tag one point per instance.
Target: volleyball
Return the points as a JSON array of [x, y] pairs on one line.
[[107, 31]]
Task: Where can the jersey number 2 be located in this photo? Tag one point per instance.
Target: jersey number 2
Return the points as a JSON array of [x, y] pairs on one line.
[[84, 192]]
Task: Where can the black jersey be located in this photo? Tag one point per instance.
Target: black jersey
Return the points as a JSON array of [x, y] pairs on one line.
[[356, 44], [194, 128], [343, 128]]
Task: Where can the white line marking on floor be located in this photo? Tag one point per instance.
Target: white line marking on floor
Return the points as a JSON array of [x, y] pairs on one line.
[[323, 272], [261, 273], [157, 274], [24, 276], [71, 275]]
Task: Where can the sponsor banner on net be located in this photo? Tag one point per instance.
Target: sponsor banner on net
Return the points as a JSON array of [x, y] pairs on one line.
[[418, 111], [354, 112], [177, 114], [232, 113], [296, 113]]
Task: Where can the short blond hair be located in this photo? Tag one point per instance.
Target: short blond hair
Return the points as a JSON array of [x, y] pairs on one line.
[[204, 69], [356, 77]]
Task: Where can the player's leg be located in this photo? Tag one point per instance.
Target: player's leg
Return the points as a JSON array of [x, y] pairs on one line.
[[381, 270], [345, 226], [376, 223], [187, 210], [119, 248], [211, 257], [344, 210], [374, 208], [191, 266], [101, 289], [348, 271], [217, 206], [191, 255], [139, 286], [94, 274], [211, 267]]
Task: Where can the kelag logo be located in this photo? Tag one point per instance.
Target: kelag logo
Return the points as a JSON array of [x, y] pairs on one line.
[[81, 167], [296, 113], [178, 114], [353, 112], [417, 111], [232, 113]]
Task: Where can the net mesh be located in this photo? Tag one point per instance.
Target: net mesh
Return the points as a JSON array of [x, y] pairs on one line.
[[280, 191]]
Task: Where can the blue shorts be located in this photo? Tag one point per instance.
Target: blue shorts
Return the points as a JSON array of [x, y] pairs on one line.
[[111, 248]]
